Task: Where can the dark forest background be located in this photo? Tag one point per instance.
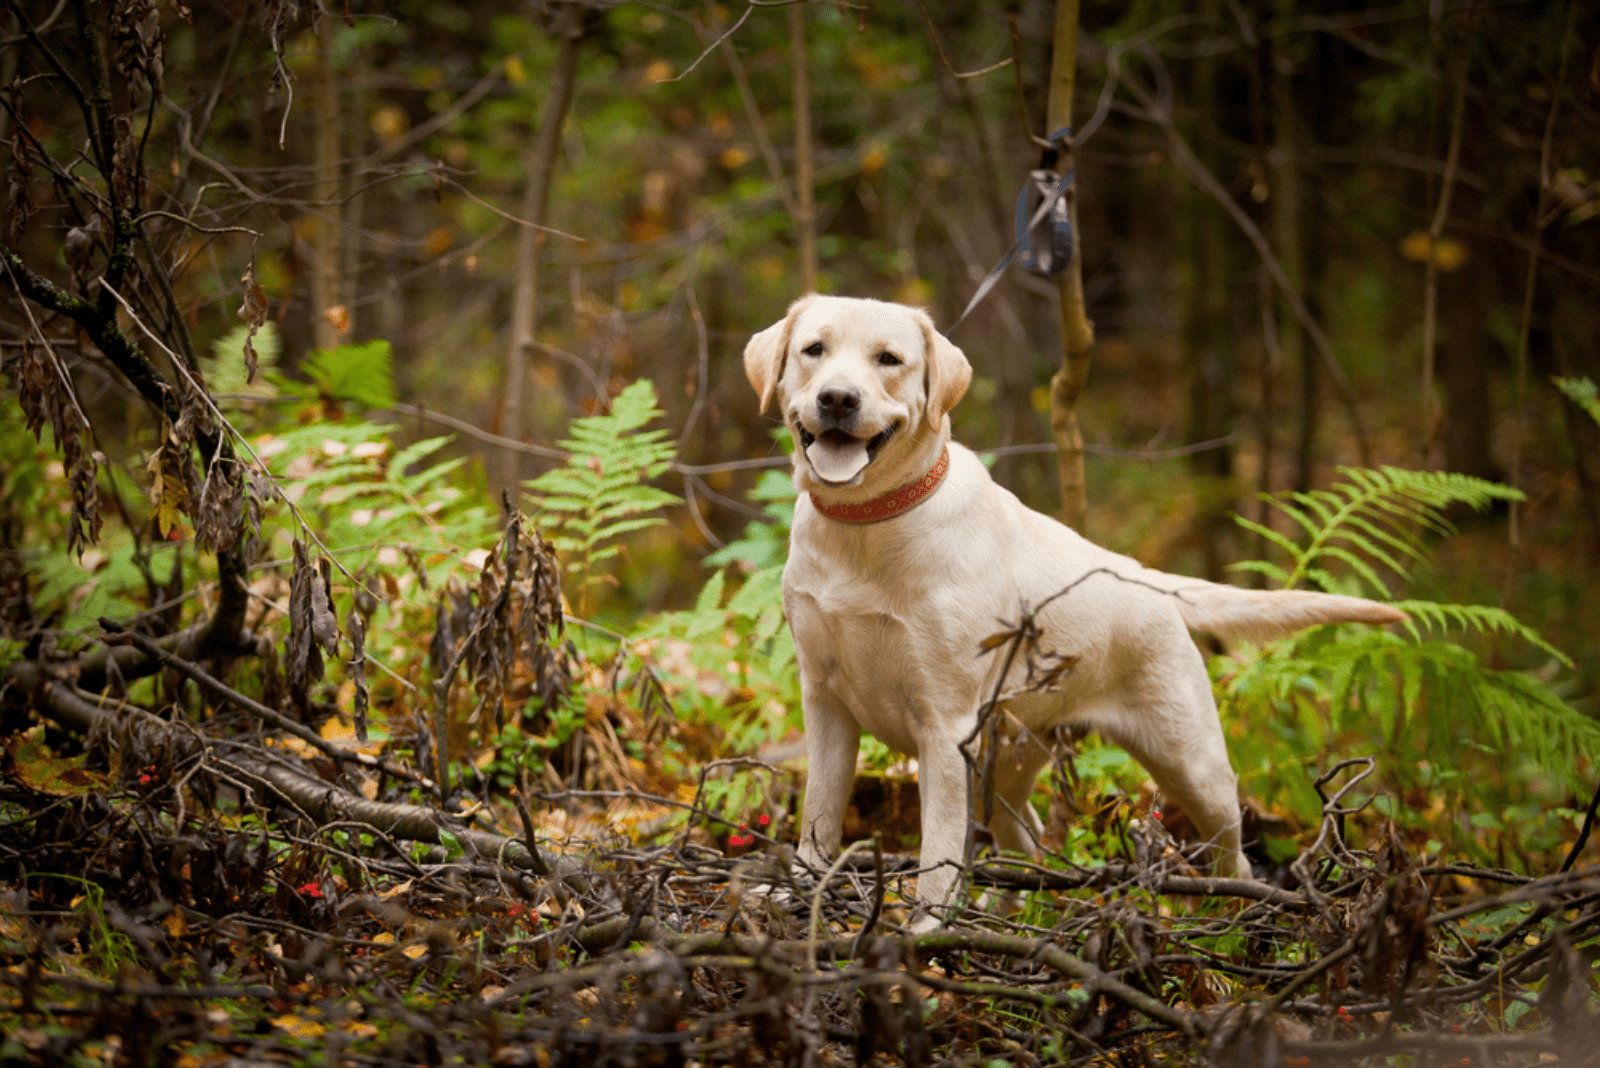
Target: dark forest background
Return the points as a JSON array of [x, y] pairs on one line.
[[292, 292]]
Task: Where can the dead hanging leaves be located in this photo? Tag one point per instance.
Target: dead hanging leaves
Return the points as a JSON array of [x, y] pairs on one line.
[[313, 627], [46, 394], [515, 618], [253, 312], [18, 205], [139, 50], [228, 513], [171, 485], [357, 669]]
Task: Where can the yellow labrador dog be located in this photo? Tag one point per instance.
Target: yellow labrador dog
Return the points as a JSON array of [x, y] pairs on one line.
[[904, 555]]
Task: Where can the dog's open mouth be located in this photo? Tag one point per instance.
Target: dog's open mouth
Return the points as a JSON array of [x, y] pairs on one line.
[[837, 456]]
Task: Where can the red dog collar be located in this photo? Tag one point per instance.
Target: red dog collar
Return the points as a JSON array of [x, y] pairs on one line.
[[890, 504]]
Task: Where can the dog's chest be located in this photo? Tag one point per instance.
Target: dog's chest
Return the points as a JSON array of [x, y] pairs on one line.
[[891, 647]]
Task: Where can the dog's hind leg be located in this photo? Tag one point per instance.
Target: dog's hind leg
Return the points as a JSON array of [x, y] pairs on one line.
[[1178, 739], [1013, 822]]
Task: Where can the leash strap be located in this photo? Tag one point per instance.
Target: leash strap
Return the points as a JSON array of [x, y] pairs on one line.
[[1055, 251]]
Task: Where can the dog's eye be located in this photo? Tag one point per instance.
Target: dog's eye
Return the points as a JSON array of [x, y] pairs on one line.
[[813, 349], [889, 359]]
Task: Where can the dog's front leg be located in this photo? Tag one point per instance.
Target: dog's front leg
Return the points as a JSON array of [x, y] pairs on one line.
[[833, 738], [942, 784]]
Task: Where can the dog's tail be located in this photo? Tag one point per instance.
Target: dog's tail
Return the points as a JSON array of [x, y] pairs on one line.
[[1231, 613]]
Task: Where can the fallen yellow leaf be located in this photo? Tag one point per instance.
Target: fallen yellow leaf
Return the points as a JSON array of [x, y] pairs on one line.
[[300, 1028]]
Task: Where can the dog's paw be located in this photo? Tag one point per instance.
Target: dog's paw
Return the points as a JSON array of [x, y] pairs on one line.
[[1000, 902], [794, 901]]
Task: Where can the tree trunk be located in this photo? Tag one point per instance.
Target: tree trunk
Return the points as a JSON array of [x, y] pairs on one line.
[[1466, 356], [1271, 362], [325, 272], [356, 137], [1430, 280], [1077, 332], [540, 163], [806, 214], [1289, 219], [1205, 335]]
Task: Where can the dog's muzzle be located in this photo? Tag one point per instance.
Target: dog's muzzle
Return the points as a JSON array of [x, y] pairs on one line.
[[838, 456]]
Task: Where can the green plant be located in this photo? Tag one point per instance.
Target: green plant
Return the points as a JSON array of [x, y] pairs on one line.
[[1432, 710], [1382, 514], [516, 748], [599, 494], [1582, 392], [765, 545], [357, 373]]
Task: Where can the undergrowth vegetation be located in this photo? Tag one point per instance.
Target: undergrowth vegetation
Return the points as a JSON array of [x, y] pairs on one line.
[[490, 669], [1474, 760]]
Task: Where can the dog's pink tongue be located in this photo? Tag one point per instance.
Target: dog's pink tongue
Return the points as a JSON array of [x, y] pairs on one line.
[[837, 462]]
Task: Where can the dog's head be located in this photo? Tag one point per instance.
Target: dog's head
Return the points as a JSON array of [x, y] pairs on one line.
[[863, 385]]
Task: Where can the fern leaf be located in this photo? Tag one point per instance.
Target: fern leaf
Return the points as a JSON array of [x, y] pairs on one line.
[[1266, 532], [761, 591], [1582, 392], [1430, 615], [711, 593], [1323, 578], [419, 482], [1260, 567], [1358, 565], [1396, 542], [1309, 525], [415, 452], [1382, 512], [600, 494], [626, 526]]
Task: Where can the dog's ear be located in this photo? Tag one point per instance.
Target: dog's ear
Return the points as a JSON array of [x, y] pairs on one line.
[[766, 352], [946, 373]]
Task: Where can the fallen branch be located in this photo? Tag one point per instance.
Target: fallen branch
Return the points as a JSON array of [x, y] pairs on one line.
[[321, 801], [220, 691]]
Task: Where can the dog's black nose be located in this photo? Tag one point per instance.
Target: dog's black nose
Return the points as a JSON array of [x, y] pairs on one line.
[[838, 404]]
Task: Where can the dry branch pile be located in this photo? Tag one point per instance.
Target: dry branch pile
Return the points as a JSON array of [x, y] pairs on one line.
[[137, 921]]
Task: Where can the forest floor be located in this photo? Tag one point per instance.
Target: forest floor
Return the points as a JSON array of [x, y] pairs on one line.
[[147, 917]]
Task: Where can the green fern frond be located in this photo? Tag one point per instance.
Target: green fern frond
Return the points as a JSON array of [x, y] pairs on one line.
[[1374, 515], [1485, 619], [1270, 535], [599, 495], [1273, 572], [1379, 686], [1582, 392], [1420, 703], [225, 369]]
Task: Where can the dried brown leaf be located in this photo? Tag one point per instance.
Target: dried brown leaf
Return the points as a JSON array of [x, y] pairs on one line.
[[358, 670], [302, 656], [19, 205], [219, 518], [254, 314]]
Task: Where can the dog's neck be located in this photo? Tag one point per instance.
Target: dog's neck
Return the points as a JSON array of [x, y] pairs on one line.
[[896, 502]]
